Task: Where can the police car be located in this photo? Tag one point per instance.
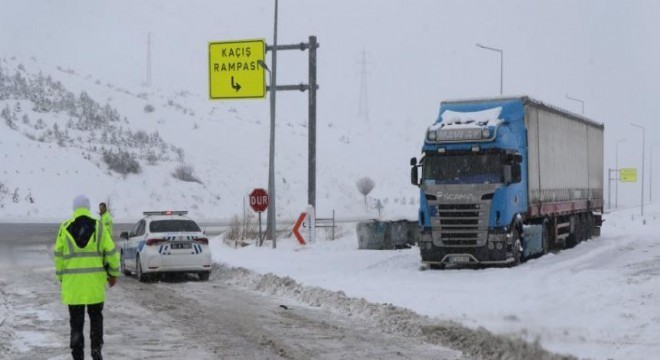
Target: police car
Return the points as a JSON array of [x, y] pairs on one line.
[[165, 242]]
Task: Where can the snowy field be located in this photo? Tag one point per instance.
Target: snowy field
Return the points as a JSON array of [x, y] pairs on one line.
[[598, 300]]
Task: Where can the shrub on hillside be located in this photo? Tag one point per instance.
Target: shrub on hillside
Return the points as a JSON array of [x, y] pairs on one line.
[[121, 162], [185, 173], [149, 108]]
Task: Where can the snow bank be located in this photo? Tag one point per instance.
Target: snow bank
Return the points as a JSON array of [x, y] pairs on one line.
[[393, 319], [593, 301]]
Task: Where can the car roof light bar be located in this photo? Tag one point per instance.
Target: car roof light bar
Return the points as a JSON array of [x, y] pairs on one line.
[[168, 212]]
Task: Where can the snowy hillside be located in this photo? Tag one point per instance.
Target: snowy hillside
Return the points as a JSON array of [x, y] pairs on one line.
[[64, 133]]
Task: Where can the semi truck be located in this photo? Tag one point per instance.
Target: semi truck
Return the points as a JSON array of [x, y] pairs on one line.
[[505, 179]]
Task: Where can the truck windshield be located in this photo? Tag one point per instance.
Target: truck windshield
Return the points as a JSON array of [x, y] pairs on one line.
[[463, 169]]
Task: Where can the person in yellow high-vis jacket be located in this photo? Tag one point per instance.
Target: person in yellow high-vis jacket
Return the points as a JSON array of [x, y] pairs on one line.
[[85, 260], [106, 218]]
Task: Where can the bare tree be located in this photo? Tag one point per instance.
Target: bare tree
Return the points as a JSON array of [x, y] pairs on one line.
[[365, 185]]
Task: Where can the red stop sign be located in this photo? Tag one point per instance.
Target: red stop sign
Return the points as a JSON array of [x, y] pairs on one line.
[[259, 200]]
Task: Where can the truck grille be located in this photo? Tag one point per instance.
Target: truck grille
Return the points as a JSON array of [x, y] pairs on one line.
[[461, 224]]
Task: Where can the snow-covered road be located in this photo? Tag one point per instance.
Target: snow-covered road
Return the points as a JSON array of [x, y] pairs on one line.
[[185, 319], [596, 301]]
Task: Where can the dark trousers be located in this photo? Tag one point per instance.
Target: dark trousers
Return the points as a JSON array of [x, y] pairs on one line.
[[77, 321]]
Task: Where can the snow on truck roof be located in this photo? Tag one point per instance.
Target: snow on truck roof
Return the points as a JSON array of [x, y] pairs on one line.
[[527, 101], [469, 120]]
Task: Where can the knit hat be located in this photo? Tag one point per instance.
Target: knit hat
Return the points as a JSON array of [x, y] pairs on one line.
[[80, 201]]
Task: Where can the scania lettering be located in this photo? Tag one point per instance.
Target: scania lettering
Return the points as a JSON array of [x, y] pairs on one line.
[[505, 179]]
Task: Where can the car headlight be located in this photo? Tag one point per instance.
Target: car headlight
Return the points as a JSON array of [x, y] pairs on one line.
[[485, 133]]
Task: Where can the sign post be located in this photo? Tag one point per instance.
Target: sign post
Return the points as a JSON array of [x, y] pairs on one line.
[[259, 203]]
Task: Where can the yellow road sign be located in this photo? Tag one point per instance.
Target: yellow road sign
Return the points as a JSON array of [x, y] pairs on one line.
[[628, 175], [233, 69]]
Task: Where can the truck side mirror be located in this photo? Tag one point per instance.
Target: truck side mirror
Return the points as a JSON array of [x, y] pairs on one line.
[[516, 173], [511, 174], [517, 159], [507, 174], [124, 235], [414, 178]]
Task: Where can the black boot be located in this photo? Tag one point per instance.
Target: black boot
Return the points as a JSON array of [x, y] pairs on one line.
[[96, 354]]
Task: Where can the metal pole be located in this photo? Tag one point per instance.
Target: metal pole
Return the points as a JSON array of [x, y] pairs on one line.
[[618, 172], [333, 224], [609, 189], [643, 148], [272, 222], [261, 239], [578, 100], [501, 72], [311, 174], [651, 179]]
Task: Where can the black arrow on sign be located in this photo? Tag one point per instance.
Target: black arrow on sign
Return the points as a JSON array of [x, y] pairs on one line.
[[236, 86]]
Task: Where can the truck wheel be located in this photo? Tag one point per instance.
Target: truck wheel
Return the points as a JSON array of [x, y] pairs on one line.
[[204, 276], [572, 235], [590, 225], [516, 248], [582, 228]]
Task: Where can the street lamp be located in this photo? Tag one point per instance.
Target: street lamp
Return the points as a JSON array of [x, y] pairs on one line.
[[271, 219], [578, 100], [651, 179], [616, 196], [643, 147], [501, 63]]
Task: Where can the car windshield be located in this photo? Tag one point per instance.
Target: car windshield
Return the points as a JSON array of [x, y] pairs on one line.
[[160, 226], [463, 169]]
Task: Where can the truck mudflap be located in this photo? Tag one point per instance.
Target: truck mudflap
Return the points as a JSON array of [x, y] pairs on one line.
[[532, 240]]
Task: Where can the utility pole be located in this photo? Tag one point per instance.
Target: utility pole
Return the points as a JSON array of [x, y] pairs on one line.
[[363, 104], [148, 81]]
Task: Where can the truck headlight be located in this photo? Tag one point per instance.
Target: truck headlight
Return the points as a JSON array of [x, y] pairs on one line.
[[432, 135]]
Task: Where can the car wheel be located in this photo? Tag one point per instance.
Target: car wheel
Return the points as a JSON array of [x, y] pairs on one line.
[[122, 264], [204, 276], [141, 276]]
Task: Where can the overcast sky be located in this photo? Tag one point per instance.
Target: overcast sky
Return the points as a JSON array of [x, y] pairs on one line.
[[603, 52]]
